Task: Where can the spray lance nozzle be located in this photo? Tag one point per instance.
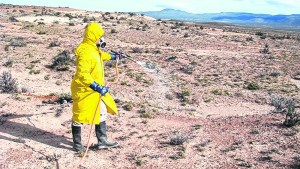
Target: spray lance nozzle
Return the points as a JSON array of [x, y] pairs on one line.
[[124, 55]]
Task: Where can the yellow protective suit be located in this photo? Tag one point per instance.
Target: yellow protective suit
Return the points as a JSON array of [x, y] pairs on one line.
[[90, 68]]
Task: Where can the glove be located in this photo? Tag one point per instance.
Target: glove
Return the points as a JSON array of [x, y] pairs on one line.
[[114, 56], [100, 89]]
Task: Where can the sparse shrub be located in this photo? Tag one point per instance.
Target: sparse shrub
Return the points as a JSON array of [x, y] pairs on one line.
[[8, 63], [6, 48], [71, 24], [146, 115], [217, 92], [188, 69], [157, 51], [259, 33], [235, 145], [92, 19], [58, 83], [287, 107], [13, 19], [263, 37], [131, 14], [296, 163], [250, 38], [85, 20], [7, 83], [24, 90], [57, 13], [173, 27], [194, 63], [220, 92], [41, 32], [178, 138], [252, 86], [113, 31], [41, 23], [62, 61], [197, 126], [275, 73], [145, 112], [169, 96], [58, 112], [70, 16], [17, 42], [137, 50], [122, 18], [265, 50], [171, 58], [54, 43], [34, 71], [255, 131], [183, 96], [178, 155], [138, 162], [138, 77], [150, 65], [128, 106], [186, 35], [47, 77], [65, 98]]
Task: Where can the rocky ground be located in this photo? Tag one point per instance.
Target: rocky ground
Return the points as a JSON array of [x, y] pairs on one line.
[[198, 96]]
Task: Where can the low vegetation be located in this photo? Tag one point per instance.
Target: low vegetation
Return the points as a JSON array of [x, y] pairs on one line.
[[62, 61], [287, 107], [7, 83]]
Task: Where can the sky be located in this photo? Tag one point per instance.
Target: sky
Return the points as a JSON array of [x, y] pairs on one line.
[[193, 6]]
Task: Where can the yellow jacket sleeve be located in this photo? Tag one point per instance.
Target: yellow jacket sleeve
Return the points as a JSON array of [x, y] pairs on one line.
[[83, 70], [105, 55]]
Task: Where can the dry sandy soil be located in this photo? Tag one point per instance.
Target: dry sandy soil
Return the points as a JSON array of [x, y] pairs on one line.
[[186, 103]]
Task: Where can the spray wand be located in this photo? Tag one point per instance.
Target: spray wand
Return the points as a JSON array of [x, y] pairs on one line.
[[125, 55]]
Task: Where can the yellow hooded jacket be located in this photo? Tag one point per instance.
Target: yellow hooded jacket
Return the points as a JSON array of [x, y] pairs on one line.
[[90, 68]]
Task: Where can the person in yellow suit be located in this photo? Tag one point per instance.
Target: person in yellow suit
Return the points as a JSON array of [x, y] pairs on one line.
[[87, 86]]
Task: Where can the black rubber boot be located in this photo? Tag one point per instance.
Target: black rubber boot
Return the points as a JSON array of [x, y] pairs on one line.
[[102, 137], [76, 132]]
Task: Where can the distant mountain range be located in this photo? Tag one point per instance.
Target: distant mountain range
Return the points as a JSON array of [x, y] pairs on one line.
[[236, 18]]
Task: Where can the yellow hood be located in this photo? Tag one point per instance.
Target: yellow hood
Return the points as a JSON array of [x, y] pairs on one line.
[[93, 32]]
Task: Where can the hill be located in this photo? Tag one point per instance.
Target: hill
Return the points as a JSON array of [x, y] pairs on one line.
[[291, 22]]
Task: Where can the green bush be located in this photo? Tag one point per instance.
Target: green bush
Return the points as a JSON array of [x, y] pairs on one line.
[[252, 86]]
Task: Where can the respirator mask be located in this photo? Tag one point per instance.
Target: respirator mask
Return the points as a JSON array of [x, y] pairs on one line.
[[101, 43]]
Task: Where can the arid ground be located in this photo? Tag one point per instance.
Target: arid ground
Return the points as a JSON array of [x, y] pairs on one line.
[[198, 96]]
